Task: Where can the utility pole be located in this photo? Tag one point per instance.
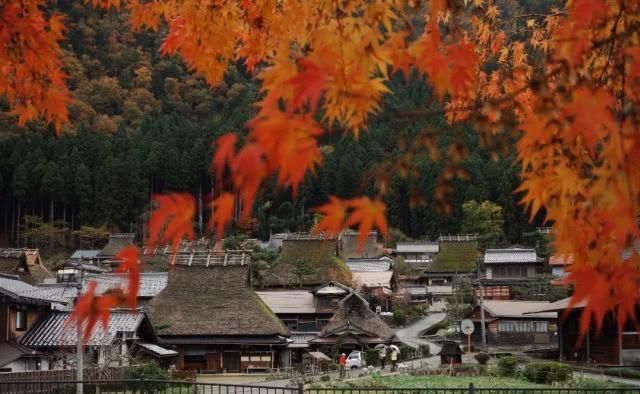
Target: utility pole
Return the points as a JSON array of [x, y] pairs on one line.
[[79, 345], [482, 322]]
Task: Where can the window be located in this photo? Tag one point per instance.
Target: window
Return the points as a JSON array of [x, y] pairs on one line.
[[509, 271], [292, 324], [32, 364], [523, 326], [21, 320]]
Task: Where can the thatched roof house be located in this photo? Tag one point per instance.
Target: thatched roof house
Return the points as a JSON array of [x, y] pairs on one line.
[[355, 324], [25, 264], [117, 242], [306, 262], [209, 311]]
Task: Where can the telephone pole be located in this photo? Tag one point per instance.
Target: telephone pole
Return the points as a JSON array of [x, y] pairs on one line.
[[79, 345], [482, 322]]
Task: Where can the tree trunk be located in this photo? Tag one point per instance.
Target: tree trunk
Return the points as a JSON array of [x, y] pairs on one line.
[[18, 226], [51, 212], [13, 220], [200, 208]]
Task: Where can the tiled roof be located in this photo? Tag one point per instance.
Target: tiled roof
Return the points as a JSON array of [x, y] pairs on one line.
[[373, 279], [84, 254], [520, 309], [557, 306], [158, 351], [289, 301], [19, 290], [151, 283], [11, 351], [51, 331], [365, 264], [301, 339], [417, 247], [510, 255]]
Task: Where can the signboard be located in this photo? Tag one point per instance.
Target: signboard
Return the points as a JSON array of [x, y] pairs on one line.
[[466, 326]]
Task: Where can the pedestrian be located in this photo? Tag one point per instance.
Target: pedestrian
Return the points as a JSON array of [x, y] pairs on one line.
[[394, 359], [383, 356], [342, 363]]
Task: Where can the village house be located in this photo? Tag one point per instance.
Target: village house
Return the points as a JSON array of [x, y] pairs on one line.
[[84, 256], [24, 263], [505, 268], [373, 277], [514, 324], [416, 254], [457, 258], [559, 264], [306, 261], [21, 305], [56, 343], [217, 322], [117, 242], [353, 327], [608, 346]]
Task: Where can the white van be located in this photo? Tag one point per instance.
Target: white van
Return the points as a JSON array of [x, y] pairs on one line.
[[355, 360]]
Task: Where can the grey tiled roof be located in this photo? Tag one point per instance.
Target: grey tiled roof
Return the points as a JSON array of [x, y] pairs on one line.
[[417, 247], [208, 258], [510, 255], [151, 283], [20, 290], [84, 254], [364, 264], [52, 331]]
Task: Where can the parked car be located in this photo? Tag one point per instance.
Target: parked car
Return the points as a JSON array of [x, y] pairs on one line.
[[355, 360]]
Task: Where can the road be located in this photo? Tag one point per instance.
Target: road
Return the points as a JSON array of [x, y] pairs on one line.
[[411, 335]]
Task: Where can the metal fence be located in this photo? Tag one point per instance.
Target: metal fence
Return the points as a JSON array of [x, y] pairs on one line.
[[181, 387]]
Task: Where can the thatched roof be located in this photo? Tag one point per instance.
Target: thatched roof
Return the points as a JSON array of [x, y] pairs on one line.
[[26, 264], [306, 263], [455, 256], [212, 301], [349, 245], [450, 348], [117, 242], [354, 315]]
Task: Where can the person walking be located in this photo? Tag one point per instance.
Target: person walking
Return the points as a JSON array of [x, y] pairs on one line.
[[342, 362], [394, 359], [383, 356]]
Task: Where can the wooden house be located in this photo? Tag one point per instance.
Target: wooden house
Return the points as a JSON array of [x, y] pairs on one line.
[[117, 242], [559, 264], [457, 257], [607, 346], [211, 316], [353, 326], [417, 254], [21, 305], [26, 264], [515, 324], [505, 268]]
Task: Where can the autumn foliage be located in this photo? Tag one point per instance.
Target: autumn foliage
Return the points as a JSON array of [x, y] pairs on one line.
[[568, 81]]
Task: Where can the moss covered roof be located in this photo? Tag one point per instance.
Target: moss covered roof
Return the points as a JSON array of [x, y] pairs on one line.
[[455, 256], [306, 263]]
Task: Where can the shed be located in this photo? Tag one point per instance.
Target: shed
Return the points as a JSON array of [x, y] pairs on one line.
[[450, 353]]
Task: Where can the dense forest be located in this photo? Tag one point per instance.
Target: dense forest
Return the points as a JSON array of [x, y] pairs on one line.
[[142, 124]]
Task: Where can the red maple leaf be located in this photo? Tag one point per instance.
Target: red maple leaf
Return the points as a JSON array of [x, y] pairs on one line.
[[131, 265], [172, 220], [222, 213], [308, 84], [366, 214], [333, 219], [225, 152]]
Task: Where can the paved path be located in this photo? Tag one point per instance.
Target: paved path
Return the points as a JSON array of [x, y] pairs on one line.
[[606, 378], [411, 335]]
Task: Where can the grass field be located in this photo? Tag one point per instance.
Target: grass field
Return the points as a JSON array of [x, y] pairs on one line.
[[451, 382]]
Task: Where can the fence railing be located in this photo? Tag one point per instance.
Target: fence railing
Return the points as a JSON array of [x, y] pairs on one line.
[[182, 387]]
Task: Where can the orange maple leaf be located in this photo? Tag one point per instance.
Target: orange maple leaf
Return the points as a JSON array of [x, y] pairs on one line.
[[130, 264], [334, 213], [222, 213], [308, 84], [172, 220], [249, 170], [91, 308], [367, 213], [225, 152]]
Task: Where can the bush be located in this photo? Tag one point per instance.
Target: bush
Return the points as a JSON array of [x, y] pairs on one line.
[[507, 366], [482, 358], [372, 357], [399, 317], [623, 372], [547, 372], [406, 352], [325, 378], [150, 371]]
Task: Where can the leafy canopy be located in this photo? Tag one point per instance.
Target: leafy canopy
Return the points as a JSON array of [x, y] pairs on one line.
[[568, 80]]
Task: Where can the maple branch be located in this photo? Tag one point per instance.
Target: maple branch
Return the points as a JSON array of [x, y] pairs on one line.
[[533, 15]]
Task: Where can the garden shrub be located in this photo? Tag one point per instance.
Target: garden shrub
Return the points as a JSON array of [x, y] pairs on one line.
[[507, 366], [406, 352], [482, 358], [547, 372], [372, 357], [623, 372], [325, 378], [399, 317], [150, 371]]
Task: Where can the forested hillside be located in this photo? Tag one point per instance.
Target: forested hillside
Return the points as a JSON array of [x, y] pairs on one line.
[[142, 124]]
